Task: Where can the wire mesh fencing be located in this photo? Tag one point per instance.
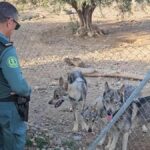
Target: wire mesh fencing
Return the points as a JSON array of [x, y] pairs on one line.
[[43, 43], [124, 123]]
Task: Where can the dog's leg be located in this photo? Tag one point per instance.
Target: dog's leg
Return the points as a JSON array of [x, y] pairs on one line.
[[114, 141], [134, 118], [109, 142], [125, 140], [83, 124], [102, 141], [144, 129], [76, 121], [135, 111], [148, 128], [83, 104]]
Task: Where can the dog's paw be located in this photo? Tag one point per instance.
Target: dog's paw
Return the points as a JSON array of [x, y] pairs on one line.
[[144, 129], [71, 109], [107, 147], [50, 102]]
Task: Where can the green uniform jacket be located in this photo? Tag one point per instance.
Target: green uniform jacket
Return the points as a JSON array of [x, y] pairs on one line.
[[11, 77]]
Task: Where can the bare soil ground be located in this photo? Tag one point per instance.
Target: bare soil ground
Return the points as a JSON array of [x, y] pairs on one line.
[[42, 44]]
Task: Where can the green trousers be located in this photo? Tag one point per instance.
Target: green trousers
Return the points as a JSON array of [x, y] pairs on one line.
[[12, 128]]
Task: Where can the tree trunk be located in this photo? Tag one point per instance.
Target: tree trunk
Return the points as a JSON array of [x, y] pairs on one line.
[[85, 13]]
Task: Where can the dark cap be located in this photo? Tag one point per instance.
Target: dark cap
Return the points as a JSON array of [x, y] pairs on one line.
[[7, 11]]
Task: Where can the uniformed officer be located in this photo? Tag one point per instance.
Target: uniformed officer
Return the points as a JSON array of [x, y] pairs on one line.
[[12, 128]]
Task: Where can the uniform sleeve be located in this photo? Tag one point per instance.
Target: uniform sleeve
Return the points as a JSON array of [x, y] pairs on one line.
[[13, 74]]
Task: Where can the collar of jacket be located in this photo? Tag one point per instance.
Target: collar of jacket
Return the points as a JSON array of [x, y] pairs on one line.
[[5, 41]]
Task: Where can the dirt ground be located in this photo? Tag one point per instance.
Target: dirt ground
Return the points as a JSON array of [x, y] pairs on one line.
[[42, 44]]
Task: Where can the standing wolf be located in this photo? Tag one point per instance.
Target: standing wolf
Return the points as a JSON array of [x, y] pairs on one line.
[[75, 92], [93, 113], [104, 109], [113, 99]]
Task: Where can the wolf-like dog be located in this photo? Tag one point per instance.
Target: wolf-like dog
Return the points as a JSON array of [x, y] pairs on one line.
[[76, 93], [104, 108], [113, 99], [93, 113], [59, 92]]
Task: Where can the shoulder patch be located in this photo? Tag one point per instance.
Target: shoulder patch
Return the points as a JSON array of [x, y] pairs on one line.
[[12, 62]]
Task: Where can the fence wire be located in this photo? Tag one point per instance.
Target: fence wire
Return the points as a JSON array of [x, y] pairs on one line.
[[124, 108], [42, 55], [46, 39]]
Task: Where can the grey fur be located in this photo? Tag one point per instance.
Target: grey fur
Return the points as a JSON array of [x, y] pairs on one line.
[[75, 92], [113, 99]]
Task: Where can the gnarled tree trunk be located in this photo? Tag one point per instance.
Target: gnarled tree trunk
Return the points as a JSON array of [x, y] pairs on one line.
[[85, 13]]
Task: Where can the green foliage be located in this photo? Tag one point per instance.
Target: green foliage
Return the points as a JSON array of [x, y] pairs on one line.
[[70, 144], [124, 5], [23, 1], [29, 142], [141, 1], [80, 2], [36, 2], [58, 5], [41, 141], [73, 24], [105, 2]]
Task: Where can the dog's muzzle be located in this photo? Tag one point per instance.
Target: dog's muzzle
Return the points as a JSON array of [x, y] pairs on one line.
[[90, 130], [50, 102], [109, 112], [59, 103]]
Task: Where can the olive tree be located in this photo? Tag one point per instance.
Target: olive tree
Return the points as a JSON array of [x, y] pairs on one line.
[[85, 9]]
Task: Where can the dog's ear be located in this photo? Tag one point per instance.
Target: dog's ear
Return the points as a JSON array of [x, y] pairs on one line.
[[66, 86], [122, 89], [121, 92], [71, 78], [107, 88], [84, 110], [95, 106], [61, 81]]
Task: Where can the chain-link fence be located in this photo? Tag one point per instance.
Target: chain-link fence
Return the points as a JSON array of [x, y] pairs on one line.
[[121, 57], [122, 123]]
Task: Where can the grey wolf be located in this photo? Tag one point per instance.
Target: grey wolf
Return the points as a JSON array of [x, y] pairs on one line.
[[113, 99], [105, 107], [93, 113], [59, 92], [76, 93]]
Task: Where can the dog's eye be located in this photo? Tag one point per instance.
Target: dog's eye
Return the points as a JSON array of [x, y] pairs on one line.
[[93, 120], [116, 103], [87, 119], [104, 94], [65, 94], [57, 96]]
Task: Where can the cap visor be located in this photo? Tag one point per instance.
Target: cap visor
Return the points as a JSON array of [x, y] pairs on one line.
[[17, 26]]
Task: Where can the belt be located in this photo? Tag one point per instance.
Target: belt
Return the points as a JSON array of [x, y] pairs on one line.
[[8, 99]]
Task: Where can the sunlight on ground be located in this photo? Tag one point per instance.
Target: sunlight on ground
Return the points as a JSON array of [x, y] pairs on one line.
[[117, 54]]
